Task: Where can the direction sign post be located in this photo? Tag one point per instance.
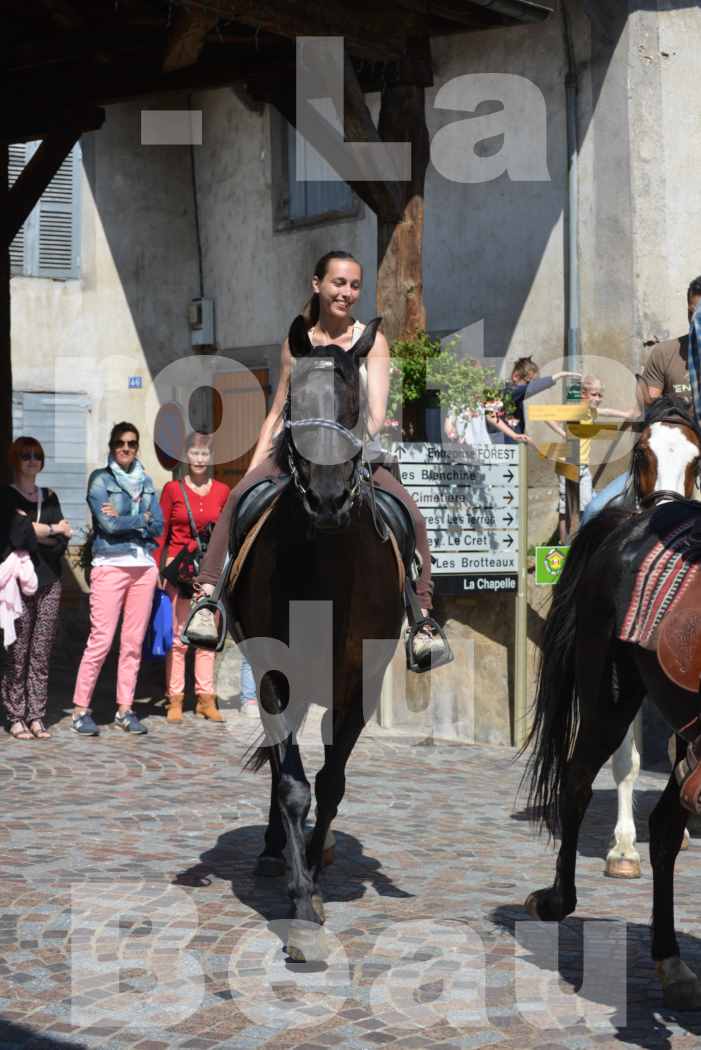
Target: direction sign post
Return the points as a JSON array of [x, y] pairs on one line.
[[471, 499]]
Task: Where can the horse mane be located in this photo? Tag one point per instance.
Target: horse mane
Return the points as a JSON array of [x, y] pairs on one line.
[[671, 408]]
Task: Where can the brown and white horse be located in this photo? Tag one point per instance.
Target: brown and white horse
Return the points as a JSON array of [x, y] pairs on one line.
[[665, 459]]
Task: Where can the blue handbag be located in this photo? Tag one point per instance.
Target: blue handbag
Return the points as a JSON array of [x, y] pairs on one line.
[[159, 633]]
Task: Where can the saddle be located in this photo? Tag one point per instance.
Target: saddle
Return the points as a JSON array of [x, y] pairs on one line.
[[260, 498], [679, 639]]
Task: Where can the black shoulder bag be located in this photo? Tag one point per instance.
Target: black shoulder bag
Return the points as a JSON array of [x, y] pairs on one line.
[[185, 566]]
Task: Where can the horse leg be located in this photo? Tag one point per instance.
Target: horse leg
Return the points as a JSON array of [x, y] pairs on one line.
[[681, 988], [271, 861], [602, 728], [330, 785], [623, 859]]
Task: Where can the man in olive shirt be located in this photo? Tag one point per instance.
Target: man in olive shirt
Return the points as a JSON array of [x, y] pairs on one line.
[[667, 369], [666, 372]]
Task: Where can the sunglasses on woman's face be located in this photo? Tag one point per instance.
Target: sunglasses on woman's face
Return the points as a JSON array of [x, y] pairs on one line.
[[125, 444], [27, 456]]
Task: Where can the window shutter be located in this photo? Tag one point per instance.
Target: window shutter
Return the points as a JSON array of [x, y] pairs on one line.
[[17, 160], [48, 245], [57, 238], [314, 187]]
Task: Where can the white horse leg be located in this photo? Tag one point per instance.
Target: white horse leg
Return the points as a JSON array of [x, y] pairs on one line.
[[623, 859]]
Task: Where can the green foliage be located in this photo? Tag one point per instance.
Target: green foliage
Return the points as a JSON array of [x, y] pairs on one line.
[[459, 382]]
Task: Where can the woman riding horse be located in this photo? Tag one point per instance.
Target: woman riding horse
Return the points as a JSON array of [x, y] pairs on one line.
[[337, 282]]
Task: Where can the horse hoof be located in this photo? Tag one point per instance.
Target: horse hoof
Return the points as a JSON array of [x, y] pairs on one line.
[[306, 943], [532, 905], [329, 856], [270, 867], [683, 995], [685, 841], [622, 868], [547, 906], [318, 906], [681, 988]]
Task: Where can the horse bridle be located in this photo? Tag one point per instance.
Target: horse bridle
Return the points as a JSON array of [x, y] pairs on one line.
[[338, 428]]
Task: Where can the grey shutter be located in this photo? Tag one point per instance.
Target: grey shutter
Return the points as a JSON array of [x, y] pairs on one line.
[[59, 423], [48, 245], [17, 158], [58, 240], [314, 188]]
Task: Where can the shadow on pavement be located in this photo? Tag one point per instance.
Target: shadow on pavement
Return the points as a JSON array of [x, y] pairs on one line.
[[234, 859], [641, 1019]]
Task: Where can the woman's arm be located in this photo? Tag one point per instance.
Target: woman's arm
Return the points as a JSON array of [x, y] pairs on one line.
[[378, 362], [273, 421], [111, 524], [166, 512]]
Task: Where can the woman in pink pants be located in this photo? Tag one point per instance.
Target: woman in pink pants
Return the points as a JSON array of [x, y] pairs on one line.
[[204, 498], [126, 524]]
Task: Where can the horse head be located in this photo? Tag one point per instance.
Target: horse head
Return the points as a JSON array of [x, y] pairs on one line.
[[322, 443], [667, 454]]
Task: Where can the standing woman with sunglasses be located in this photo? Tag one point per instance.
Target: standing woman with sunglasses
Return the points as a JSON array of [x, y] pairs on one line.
[[25, 683], [127, 522]]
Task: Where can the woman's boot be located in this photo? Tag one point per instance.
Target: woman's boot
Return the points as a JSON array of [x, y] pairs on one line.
[[206, 706], [174, 712]]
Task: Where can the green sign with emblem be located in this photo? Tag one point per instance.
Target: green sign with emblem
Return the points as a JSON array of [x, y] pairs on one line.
[[549, 563]]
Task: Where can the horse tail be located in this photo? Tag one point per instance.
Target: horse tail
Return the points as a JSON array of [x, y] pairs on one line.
[[255, 758], [556, 705]]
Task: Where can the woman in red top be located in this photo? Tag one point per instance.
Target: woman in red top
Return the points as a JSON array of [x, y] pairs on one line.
[[206, 497]]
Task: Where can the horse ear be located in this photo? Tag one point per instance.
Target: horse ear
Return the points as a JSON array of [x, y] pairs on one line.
[[298, 338], [364, 344]]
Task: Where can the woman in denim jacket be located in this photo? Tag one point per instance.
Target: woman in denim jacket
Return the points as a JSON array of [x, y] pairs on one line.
[[126, 524]]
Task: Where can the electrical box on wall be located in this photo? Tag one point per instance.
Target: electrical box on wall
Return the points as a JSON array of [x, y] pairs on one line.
[[200, 314]]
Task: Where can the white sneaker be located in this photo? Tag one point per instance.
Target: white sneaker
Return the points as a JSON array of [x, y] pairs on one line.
[[249, 709]]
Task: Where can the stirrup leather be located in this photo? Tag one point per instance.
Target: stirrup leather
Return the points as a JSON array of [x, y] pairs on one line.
[[688, 776], [427, 660]]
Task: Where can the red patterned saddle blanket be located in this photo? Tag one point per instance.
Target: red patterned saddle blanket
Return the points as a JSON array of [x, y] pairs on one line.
[[666, 578]]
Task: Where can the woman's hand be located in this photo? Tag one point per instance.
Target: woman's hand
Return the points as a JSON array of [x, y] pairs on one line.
[[64, 527], [108, 510]]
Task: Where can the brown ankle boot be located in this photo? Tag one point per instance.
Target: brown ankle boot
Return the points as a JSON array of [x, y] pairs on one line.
[[206, 706], [174, 712]]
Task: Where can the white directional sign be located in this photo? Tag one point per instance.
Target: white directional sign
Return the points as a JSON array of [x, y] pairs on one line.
[[470, 499]]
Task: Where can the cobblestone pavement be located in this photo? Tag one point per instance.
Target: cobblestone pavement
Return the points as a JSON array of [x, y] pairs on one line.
[[131, 918]]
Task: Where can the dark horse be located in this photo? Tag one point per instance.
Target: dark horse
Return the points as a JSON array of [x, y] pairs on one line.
[[320, 544], [591, 685]]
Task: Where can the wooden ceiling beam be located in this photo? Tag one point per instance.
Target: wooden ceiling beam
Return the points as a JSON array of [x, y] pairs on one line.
[[186, 38], [65, 14], [23, 124], [371, 34]]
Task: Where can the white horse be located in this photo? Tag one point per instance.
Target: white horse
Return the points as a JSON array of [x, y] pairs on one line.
[[666, 459]]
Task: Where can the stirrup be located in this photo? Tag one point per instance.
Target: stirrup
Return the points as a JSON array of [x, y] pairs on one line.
[[216, 606], [427, 660]]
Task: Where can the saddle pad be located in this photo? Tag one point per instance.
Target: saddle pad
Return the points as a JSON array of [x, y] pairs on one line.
[[667, 571]]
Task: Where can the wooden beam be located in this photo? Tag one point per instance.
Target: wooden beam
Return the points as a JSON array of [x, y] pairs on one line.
[[383, 198], [374, 34], [65, 14], [186, 38], [27, 124], [33, 180], [400, 243], [5, 344]]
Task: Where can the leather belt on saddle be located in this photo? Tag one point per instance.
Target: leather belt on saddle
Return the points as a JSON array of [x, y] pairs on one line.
[[257, 504]]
